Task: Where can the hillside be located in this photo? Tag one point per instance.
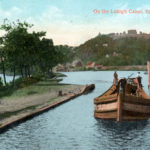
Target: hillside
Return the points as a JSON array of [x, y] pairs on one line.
[[107, 51]]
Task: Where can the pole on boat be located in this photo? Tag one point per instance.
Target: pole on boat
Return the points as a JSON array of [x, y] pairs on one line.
[[148, 72], [119, 107], [121, 95]]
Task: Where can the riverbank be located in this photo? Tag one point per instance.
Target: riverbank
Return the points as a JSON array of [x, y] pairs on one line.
[[107, 68], [126, 68], [33, 100]]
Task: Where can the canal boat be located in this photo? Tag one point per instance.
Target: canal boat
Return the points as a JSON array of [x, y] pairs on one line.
[[125, 101]]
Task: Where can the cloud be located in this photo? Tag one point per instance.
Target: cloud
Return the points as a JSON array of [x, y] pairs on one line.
[[58, 25], [119, 22], [51, 14], [60, 28], [121, 5], [12, 13], [72, 29], [63, 31]]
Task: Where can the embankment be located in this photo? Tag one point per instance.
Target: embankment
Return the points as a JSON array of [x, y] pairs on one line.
[[15, 111]]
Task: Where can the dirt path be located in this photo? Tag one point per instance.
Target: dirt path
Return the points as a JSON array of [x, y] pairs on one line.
[[12, 110], [9, 105]]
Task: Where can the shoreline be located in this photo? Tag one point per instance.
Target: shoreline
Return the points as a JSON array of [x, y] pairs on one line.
[[24, 115], [111, 68], [126, 68]]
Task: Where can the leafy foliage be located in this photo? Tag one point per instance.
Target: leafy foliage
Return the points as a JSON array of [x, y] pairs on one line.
[[129, 50], [26, 52]]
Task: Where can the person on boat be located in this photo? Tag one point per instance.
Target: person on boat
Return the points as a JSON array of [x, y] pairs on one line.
[[139, 84], [115, 81], [138, 80], [138, 74], [122, 85]]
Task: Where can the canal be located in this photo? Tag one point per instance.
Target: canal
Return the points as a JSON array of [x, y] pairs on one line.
[[71, 126]]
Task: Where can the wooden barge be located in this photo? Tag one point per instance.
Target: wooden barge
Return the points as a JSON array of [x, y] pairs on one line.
[[125, 101]]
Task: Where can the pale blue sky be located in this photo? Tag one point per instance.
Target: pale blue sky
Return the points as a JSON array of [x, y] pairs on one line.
[[73, 21]]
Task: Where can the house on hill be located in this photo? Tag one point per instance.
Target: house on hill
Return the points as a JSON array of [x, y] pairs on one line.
[[76, 63], [90, 65], [93, 65], [60, 67], [98, 66], [105, 45]]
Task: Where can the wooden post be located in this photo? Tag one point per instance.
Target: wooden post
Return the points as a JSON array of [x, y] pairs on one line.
[[60, 93], [119, 107], [148, 73]]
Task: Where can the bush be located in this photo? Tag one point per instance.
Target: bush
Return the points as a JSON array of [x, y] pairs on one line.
[[21, 82]]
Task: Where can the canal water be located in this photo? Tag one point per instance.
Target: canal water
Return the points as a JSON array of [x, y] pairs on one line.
[[8, 78], [71, 126]]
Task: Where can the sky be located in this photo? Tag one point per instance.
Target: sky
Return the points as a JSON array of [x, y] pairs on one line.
[[73, 22]]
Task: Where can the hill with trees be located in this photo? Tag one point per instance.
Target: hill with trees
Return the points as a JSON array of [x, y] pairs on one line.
[[114, 52], [31, 53]]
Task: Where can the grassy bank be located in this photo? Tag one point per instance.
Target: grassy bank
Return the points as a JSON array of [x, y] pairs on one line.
[[31, 95], [30, 86], [40, 87]]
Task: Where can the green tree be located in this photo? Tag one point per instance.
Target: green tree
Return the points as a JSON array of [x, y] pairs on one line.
[[2, 59], [47, 56], [27, 52]]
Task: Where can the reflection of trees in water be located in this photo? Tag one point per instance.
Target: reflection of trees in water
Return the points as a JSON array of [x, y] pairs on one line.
[[122, 135]]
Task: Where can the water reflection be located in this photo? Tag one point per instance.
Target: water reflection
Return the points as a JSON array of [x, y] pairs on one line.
[[72, 126], [122, 135], [8, 78], [122, 126]]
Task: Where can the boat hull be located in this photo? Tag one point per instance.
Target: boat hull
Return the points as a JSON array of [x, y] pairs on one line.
[[122, 106]]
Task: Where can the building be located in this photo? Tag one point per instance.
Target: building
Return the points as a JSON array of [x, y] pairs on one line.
[[105, 45], [132, 32], [93, 65], [77, 63], [90, 65]]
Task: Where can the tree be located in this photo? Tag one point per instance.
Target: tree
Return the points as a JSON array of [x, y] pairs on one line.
[[48, 56], [26, 51], [21, 46], [2, 59]]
